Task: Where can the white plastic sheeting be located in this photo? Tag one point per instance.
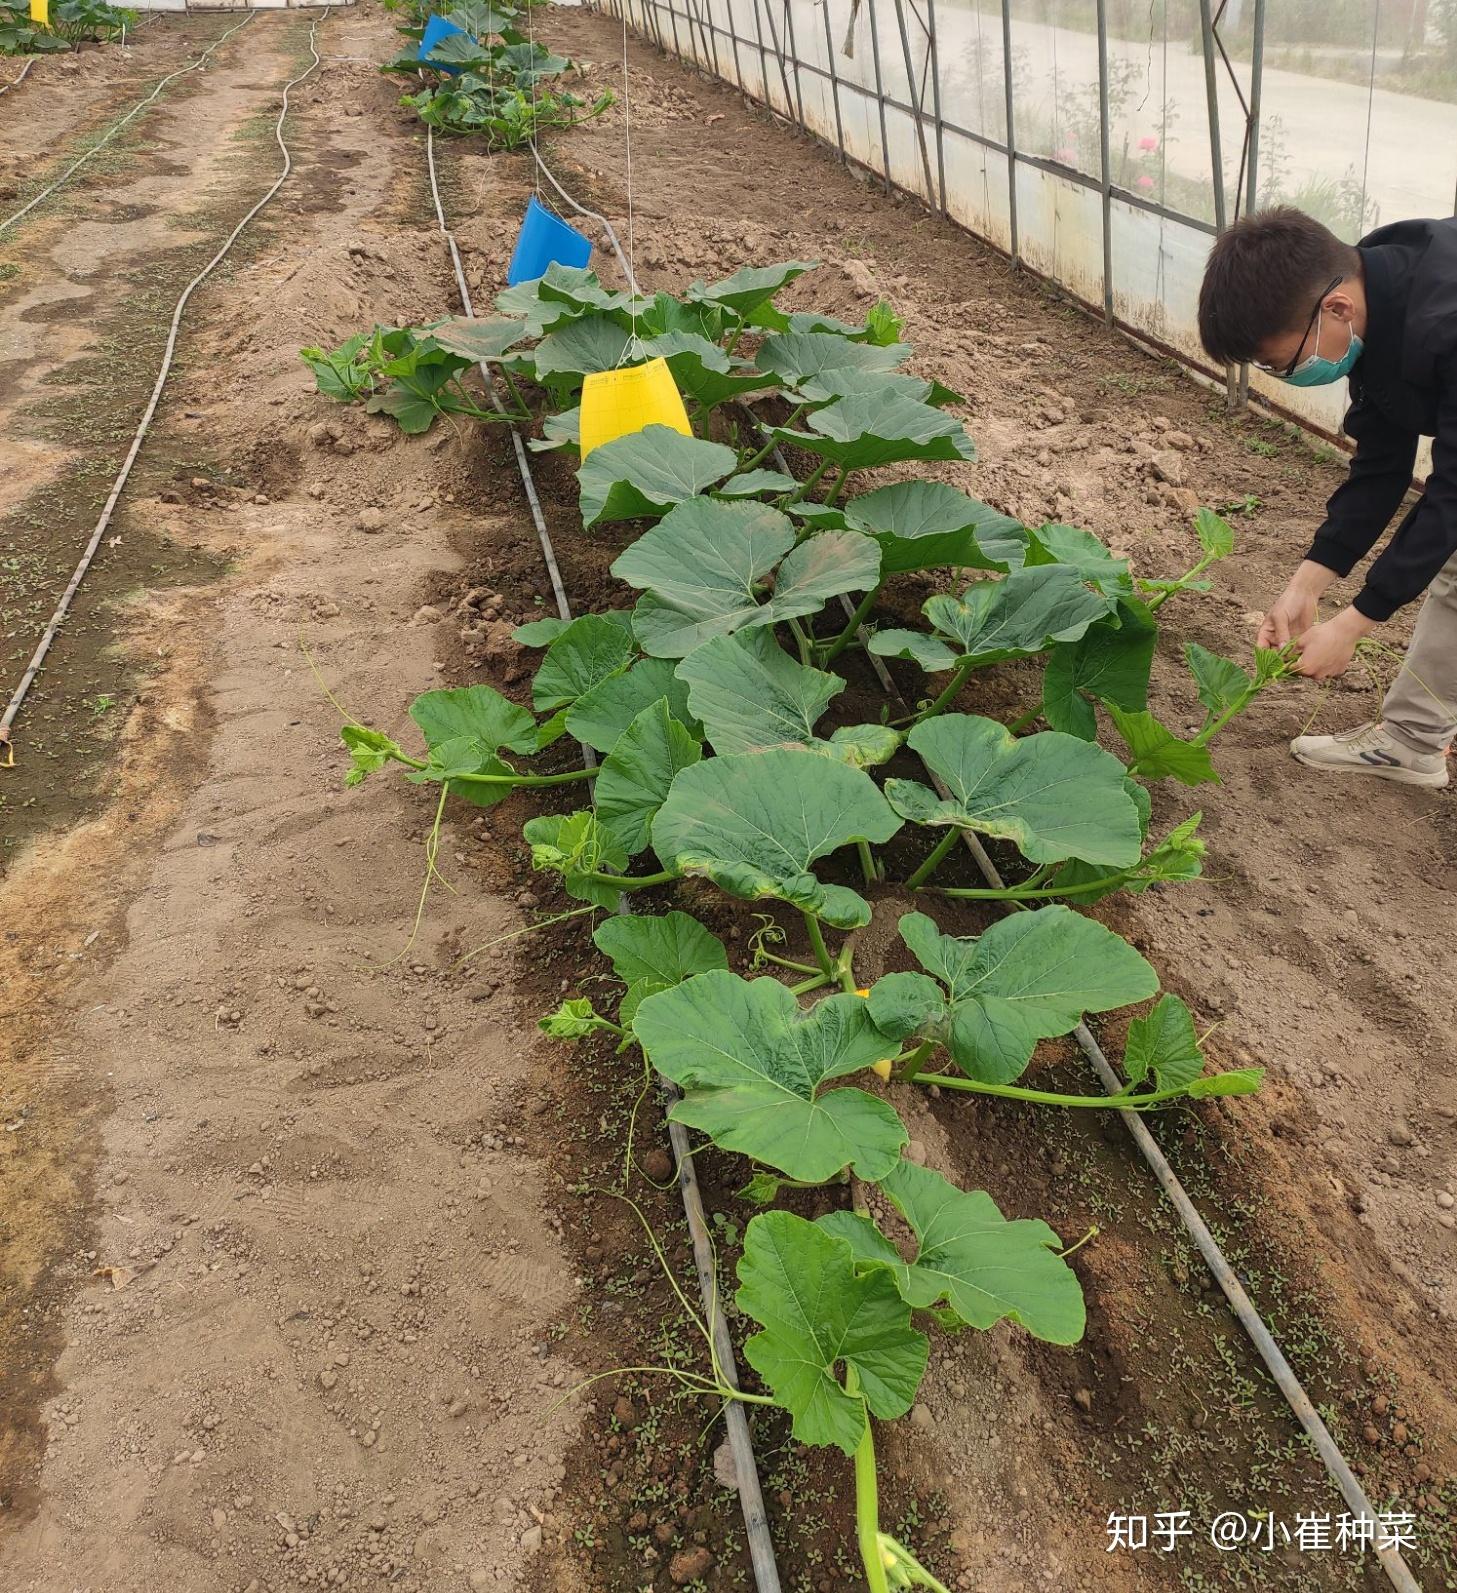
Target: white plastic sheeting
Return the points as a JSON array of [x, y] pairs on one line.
[[920, 92]]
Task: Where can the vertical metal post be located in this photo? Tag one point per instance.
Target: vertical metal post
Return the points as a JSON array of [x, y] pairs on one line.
[[1011, 129], [763, 57], [880, 97], [794, 60], [673, 23], [1105, 155], [709, 35], [791, 99], [834, 82], [917, 108], [936, 103], [1216, 157], [1252, 153]]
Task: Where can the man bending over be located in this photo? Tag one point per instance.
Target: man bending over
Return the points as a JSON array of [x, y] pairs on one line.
[[1283, 292]]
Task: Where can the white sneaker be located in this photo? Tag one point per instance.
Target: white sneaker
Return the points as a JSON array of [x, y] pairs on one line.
[[1369, 749]]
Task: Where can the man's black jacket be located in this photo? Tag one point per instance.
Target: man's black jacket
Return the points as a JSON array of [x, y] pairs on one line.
[[1403, 387]]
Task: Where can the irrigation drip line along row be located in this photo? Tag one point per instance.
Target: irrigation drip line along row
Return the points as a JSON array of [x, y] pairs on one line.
[[1284, 1375], [118, 486], [16, 81], [117, 126], [740, 1440], [699, 742]]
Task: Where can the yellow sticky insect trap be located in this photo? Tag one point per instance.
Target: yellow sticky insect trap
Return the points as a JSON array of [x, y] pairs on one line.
[[618, 403]]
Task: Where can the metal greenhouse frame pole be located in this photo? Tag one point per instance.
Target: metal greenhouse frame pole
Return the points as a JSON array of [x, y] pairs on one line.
[[917, 97], [834, 83], [1106, 158], [936, 103], [880, 99], [794, 61], [1252, 150], [1216, 157], [1011, 130]]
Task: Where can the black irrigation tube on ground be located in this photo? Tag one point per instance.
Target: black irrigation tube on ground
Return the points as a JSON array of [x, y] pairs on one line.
[[1279, 1368], [1244, 1309], [746, 1472], [63, 608], [1198, 1230], [15, 82], [116, 127]]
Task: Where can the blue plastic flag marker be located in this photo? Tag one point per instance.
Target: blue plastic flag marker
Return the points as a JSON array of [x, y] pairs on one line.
[[545, 239], [436, 29]]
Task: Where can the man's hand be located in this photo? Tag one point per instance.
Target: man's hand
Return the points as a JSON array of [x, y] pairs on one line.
[[1293, 612], [1326, 651]]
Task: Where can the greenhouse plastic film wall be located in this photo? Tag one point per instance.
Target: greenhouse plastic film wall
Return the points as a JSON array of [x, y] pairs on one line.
[[999, 111]]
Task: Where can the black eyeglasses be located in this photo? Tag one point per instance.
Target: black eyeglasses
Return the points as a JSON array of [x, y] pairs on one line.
[[1289, 370]]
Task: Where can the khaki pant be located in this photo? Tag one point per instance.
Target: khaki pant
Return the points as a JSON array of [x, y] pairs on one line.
[[1420, 710]]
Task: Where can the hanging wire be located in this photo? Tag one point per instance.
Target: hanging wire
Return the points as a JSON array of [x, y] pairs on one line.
[[631, 243], [535, 90], [1370, 106]]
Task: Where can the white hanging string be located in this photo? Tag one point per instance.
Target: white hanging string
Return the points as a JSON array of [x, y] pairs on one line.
[[627, 143], [535, 85]]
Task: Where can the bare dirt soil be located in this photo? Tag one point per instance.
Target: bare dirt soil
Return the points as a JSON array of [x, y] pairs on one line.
[[296, 1229], [277, 1283]]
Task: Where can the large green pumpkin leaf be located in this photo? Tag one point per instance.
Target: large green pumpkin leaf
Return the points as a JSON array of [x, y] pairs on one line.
[[750, 286], [800, 1284], [802, 355], [458, 761], [667, 947], [704, 372], [635, 776], [752, 1067], [750, 694], [754, 822], [563, 294], [707, 559], [927, 525], [845, 381], [1083, 552], [984, 1268], [1157, 753], [930, 652], [642, 476], [1022, 614], [869, 429], [1030, 977], [705, 564], [477, 712], [600, 715], [478, 340], [593, 343], [756, 483], [586, 652], [1052, 795], [1111, 663]]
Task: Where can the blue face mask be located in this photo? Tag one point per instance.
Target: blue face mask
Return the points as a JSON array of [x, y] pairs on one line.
[[1317, 371]]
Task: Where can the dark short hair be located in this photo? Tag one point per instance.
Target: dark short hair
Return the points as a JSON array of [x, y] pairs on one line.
[[1264, 278]]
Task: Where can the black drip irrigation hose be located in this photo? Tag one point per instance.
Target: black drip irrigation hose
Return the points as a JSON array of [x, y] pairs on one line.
[[1304, 1411], [63, 608], [116, 127], [1388, 1555], [740, 1441], [15, 82]]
